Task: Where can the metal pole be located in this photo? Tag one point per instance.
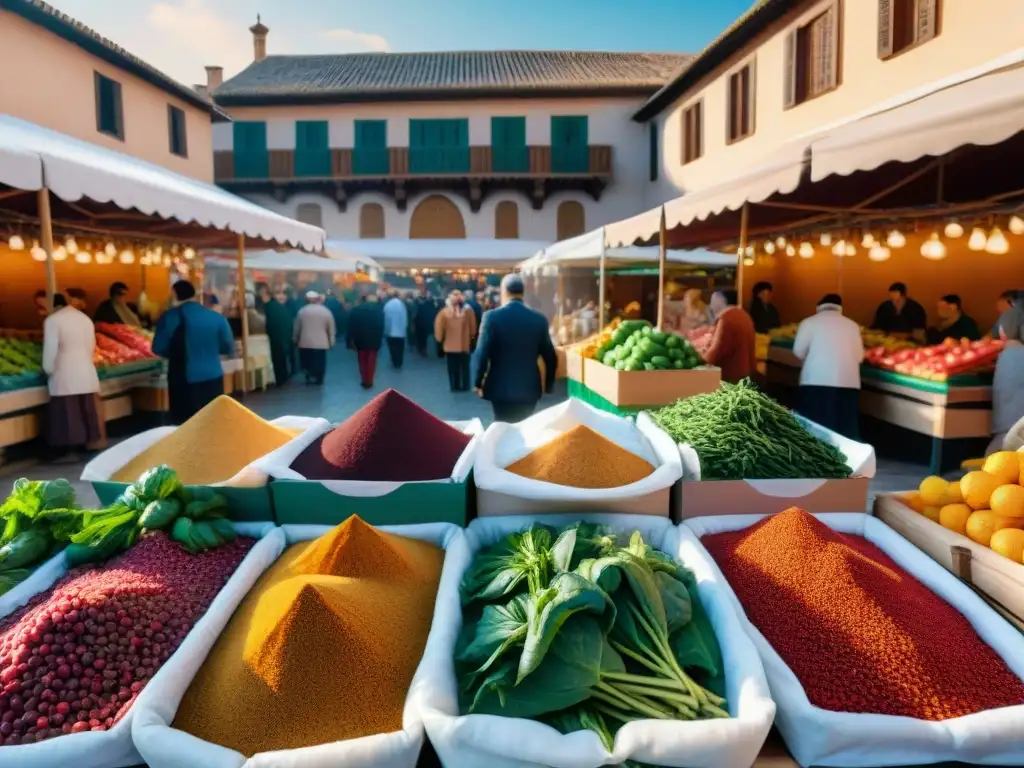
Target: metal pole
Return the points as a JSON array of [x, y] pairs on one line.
[[600, 285], [46, 238], [662, 257], [742, 251], [244, 313]]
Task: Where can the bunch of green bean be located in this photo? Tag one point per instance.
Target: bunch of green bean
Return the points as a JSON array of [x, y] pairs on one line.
[[740, 433]]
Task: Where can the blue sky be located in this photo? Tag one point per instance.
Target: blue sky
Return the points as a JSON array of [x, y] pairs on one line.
[[181, 36]]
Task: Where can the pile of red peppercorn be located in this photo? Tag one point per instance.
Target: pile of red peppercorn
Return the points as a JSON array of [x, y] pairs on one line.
[[859, 632], [76, 657]]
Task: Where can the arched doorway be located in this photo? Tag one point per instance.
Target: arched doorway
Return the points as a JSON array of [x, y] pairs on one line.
[[436, 218], [571, 219]]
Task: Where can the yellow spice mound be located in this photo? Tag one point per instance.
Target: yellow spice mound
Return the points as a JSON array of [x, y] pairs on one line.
[[311, 659], [581, 458], [212, 446]]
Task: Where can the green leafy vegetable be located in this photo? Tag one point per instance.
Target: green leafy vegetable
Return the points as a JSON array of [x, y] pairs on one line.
[[9, 579], [502, 571]]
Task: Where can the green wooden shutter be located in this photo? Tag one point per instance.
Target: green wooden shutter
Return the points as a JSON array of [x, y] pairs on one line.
[[312, 148], [570, 147], [508, 145], [250, 150], [370, 157], [439, 146]]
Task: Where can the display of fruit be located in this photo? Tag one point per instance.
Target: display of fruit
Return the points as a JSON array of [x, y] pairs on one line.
[[127, 335], [20, 356], [116, 353], [873, 338], [986, 505], [940, 361], [636, 346]]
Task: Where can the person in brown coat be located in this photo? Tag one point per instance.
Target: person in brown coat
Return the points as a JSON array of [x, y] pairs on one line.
[[454, 329], [732, 346]]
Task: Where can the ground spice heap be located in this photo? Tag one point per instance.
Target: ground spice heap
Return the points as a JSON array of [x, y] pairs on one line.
[[390, 439], [214, 445], [323, 648], [859, 632], [581, 458]]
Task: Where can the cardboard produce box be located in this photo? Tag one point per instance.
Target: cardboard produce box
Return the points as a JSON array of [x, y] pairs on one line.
[[699, 498], [648, 388]]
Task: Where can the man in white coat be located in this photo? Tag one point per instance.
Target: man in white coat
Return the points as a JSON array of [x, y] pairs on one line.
[[314, 334], [396, 328], [830, 346], [69, 339]]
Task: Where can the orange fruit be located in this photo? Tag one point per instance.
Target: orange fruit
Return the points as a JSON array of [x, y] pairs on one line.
[[1004, 465], [1009, 542], [913, 500], [954, 517], [983, 523], [932, 513], [977, 488], [933, 491], [953, 493], [1008, 500]]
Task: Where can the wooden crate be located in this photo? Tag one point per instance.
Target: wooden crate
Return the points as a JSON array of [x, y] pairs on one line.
[[997, 578], [648, 388]]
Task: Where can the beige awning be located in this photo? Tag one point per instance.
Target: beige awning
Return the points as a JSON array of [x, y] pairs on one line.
[[781, 175], [983, 111]]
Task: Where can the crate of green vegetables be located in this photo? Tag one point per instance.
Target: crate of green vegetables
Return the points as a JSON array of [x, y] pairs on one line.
[[744, 453], [643, 366], [584, 641]]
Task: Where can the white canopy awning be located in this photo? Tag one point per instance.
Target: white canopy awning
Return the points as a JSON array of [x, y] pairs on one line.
[[33, 157], [293, 261], [475, 253], [585, 251], [984, 110]]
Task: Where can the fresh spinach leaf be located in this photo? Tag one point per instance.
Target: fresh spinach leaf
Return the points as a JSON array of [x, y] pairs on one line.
[[676, 599], [695, 645], [500, 628]]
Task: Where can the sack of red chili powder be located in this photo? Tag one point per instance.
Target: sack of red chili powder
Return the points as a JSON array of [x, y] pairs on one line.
[[875, 654]]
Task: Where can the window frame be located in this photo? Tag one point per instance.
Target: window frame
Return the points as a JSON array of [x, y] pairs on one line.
[[798, 56], [749, 65], [698, 107], [887, 49], [172, 113], [118, 95]]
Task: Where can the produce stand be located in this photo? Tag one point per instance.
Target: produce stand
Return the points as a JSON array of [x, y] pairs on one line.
[[626, 392], [996, 578]]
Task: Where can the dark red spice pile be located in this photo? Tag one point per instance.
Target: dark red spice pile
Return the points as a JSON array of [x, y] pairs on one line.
[[389, 439], [76, 656], [859, 632]]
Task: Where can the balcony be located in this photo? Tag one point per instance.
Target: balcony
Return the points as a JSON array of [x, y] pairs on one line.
[[472, 171]]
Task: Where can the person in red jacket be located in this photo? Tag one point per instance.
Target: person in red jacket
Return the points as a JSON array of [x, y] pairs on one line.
[[732, 346]]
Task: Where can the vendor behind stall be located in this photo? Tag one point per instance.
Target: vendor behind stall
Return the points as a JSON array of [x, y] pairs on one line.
[[116, 309], [762, 311], [900, 315], [1008, 384], [953, 323], [733, 342]]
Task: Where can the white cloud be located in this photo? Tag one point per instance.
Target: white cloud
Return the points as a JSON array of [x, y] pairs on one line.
[[350, 41], [190, 35]]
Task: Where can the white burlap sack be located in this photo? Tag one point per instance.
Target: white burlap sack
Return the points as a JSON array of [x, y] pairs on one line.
[[501, 742], [817, 736], [162, 746], [115, 748], [106, 465], [41, 578]]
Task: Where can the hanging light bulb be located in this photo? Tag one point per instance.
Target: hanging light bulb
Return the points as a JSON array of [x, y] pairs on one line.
[[60, 253], [851, 249], [978, 239], [769, 247], [997, 242], [933, 248], [110, 249], [954, 230], [189, 253], [806, 250], [868, 239], [896, 239], [71, 245], [15, 243], [879, 252], [38, 253], [167, 261], [749, 253], [790, 250], [780, 242], [127, 256], [839, 249], [83, 257], [826, 238], [1016, 225]]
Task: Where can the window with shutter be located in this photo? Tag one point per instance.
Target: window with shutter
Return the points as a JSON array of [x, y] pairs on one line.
[[693, 132], [177, 136], [252, 161], [312, 152], [370, 157], [109, 109], [905, 24], [508, 145], [371, 221], [310, 213], [439, 146], [653, 158], [741, 105], [571, 219], [506, 220], [812, 58], [570, 145]]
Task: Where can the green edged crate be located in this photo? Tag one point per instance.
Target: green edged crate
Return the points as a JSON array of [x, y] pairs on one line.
[[248, 505]]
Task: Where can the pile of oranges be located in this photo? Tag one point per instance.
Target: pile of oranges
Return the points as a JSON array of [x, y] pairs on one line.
[[986, 505]]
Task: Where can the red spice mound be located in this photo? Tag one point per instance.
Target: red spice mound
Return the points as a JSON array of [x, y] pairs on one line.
[[389, 439], [859, 632]]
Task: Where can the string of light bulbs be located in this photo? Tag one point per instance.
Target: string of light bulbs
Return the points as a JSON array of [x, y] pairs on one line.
[[104, 251]]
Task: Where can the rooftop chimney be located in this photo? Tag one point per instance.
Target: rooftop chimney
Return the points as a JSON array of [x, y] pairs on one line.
[[259, 39], [214, 77], [200, 88]]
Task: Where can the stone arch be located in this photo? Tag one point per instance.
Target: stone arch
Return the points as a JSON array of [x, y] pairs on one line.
[[572, 219], [506, 220], [436, 217], [371, 221], [310, 213]]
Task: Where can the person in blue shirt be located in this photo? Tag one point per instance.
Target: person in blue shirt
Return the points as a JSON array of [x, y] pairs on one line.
[[192, 339]]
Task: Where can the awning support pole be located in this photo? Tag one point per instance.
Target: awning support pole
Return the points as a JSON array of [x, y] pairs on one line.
[[600, 285], [46, 239], [243, 312], [662, 257], [742, 251]]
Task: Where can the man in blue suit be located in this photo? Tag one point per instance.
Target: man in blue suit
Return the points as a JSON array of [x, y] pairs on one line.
[[511, 339]]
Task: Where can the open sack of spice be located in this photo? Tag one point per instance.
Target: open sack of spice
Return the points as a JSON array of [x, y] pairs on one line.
[[875, 654], [319, 664], [388, 442], [219, 446], [79, 658], [577, 643], [574, 456]]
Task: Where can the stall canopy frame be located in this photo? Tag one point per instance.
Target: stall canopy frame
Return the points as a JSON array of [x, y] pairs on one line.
[[440, 254]]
